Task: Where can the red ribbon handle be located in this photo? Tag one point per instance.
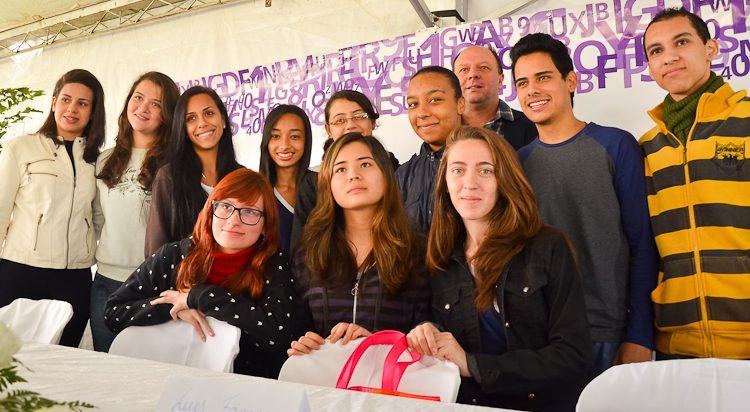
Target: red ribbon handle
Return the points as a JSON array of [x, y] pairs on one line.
[[393, 369]]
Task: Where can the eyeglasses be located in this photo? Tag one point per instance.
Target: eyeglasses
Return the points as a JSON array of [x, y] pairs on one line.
[[248, 215], [341, 120]]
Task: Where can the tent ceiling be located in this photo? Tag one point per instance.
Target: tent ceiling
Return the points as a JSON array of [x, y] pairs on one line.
[[27, 25], [19, 12]]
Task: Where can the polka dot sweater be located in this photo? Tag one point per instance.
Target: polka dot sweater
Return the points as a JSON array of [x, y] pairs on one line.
[[265, 322]]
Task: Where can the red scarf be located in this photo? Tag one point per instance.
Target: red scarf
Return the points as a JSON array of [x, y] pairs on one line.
[[227, 264]]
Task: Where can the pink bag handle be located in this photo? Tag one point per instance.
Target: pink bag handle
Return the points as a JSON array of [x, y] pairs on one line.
[[393, 370]]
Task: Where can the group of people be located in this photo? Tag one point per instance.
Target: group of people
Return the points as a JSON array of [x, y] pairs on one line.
[[531, 248]]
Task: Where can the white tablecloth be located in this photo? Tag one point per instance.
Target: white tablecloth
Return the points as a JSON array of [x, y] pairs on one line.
[[115, 383]]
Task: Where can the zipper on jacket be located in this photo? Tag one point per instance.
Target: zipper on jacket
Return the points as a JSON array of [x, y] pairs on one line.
[[501, 289], [88, 229], [355, 291], [36, 235], [708, 345], [70, 215], [42, 173]]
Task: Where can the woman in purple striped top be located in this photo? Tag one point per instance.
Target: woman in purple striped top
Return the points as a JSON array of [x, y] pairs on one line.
[[360, 265]]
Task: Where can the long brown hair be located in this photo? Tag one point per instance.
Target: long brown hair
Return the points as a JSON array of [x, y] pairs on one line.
[[328, 255], [117, 162], [94, 131], [246, 186], [513, 220]]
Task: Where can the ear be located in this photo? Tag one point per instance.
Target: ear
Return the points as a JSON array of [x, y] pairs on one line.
[[572, 81], [460, 105], [328, 130], [712, 49], [54, 102]]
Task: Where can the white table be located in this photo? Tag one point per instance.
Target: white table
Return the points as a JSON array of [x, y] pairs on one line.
[[116, 383]]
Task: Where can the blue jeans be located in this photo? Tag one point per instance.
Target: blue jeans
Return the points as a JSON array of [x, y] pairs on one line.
[[603, 355], [100, 291]]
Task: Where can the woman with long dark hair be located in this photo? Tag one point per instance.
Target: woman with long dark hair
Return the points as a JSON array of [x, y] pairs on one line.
[[200, 154], [47, 186], [359, 265], [124, 177], [229, 269], [284, 158], [507, 299]]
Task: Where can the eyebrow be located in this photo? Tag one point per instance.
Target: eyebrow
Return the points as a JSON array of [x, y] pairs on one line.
[[359, 158], [67, 95], [683, 34], [535, 75], [291, 130], [459, 162], [345, 113], [156, 100], [428, 92], [202, 110]]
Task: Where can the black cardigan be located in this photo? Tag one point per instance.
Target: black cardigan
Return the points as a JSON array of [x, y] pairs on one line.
[[541, 301], [265, 322]]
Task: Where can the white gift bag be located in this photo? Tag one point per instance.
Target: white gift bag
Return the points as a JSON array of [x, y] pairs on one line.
[[379, 363]]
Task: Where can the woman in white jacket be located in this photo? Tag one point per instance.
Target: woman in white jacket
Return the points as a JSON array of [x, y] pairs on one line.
[[47, 187]]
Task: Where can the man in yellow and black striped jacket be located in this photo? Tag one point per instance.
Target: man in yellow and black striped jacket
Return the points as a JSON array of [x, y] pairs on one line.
[[698, 182]]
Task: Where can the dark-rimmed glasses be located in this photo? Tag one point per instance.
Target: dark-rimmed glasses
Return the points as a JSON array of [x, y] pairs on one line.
[[248, 215]]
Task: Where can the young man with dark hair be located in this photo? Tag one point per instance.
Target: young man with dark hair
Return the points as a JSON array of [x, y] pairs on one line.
[[481, 75], [589, 182], [434, 101], [698, 182]]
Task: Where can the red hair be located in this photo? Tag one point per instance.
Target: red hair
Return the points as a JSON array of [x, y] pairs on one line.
[[246, 186]]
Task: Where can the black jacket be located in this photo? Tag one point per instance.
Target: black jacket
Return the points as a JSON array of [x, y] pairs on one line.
[[542, 305], [307, 194], [265, 323], [520, 132], [416, 180]]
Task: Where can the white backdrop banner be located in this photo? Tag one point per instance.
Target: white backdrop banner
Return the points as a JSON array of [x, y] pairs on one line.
[[212, 48], [604, 39]]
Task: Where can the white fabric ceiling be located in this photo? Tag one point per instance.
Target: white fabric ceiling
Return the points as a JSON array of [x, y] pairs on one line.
[[19, 12]]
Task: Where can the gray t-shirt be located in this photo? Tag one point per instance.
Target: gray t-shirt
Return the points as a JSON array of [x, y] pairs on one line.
[[592, 187]]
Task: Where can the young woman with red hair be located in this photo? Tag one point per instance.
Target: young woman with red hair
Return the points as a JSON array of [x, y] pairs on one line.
[[229, 269]]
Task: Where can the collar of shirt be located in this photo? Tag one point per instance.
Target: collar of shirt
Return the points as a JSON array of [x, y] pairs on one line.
[[504, 112]]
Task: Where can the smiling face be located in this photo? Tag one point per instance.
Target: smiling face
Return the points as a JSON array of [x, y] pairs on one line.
[[357, 181], [287, 143], [232, 235], [347, 109], [72, 107], [471, 181], [678, 60], [144, 108], [203, 123], [480, 77], [544, 94], [434, 110]]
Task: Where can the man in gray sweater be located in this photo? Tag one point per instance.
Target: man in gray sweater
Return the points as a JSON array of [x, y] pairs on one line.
[[589, 182]]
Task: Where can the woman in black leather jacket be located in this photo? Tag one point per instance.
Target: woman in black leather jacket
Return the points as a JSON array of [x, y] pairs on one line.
[[507, 300]]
